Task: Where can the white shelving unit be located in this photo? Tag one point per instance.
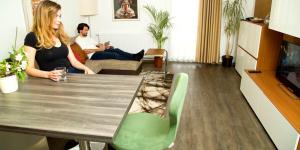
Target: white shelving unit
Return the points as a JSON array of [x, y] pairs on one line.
[[285, 16]]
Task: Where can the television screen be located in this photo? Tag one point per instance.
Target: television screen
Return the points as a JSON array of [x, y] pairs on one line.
[[288, 70]]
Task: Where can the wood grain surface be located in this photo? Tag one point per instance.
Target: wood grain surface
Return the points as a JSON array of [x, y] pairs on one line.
[[216, 116], [86, 107], [262, 8]]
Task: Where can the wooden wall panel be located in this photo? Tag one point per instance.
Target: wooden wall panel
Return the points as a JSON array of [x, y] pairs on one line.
[[269, 49], [262, 8], [291, 39]]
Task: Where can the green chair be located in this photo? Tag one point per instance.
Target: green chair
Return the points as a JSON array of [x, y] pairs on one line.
[[144, 131]]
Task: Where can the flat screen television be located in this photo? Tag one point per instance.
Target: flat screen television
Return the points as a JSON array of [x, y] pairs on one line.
[[288, 69]]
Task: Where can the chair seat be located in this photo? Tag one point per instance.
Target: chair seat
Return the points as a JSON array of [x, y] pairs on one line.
[[142, 131]]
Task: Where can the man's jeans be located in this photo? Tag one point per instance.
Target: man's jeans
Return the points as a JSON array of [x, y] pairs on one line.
[[74, 70], [112, 53]]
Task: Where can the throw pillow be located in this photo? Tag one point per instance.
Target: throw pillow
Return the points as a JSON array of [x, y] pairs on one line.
[[79, 54]]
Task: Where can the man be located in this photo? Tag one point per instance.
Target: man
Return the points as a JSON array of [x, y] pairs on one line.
[[99, 51]]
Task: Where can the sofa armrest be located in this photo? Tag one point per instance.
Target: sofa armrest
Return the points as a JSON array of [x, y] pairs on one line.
[[94, 65]]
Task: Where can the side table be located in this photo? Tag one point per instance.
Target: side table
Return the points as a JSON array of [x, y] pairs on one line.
[[159, 53]]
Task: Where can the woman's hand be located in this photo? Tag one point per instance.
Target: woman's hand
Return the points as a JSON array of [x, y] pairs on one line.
[[88, 71], [78, 65], [54, 75]]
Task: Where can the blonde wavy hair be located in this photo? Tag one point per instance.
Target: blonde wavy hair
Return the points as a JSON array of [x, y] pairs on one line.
[[45, 13]]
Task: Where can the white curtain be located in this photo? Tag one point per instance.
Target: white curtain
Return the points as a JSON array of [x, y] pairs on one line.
[[182, 42]]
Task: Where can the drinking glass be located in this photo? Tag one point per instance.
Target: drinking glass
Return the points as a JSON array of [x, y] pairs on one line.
[[63, 73]]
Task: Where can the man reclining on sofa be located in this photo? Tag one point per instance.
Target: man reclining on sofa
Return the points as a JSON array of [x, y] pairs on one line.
[[99, 51]]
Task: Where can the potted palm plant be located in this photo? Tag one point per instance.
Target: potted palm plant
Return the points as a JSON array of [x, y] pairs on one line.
[[159, 29], [233, 13]]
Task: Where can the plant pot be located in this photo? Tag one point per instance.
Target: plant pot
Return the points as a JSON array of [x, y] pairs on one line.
[[9, 84], [227, 61], [158, 62]]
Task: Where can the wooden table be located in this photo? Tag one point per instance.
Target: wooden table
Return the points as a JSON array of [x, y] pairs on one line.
[[85, 107]]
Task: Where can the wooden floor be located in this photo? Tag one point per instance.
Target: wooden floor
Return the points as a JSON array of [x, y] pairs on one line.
[[216, 116]]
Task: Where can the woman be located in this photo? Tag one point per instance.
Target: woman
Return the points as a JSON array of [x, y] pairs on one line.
[[48, 44]]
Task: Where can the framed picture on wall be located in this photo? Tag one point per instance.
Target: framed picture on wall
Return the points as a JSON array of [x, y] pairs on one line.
[[125, 10]]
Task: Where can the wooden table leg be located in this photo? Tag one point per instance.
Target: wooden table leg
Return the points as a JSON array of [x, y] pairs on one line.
[[166, 65], [84, 145]]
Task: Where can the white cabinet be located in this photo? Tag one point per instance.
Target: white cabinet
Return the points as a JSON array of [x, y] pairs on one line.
[[282, 133], [249, 37], [285, 17], [256, 43], [244, 61], [250, 92], [248, 46], [239, 60]]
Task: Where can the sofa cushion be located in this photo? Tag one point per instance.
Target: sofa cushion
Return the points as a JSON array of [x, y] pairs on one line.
[[114, 64], [79, 54]]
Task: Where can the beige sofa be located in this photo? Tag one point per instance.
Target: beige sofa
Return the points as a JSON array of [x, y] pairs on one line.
[[108, 66]]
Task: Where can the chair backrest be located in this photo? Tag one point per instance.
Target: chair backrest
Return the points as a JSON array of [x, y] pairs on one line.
[[79, 54], [177, 98]]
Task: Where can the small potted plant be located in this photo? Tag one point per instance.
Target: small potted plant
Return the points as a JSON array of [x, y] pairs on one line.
[[233, 13], [13, 69], [159, 30]]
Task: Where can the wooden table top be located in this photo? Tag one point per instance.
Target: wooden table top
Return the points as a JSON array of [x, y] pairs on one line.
[[86, 107], [155, 52]]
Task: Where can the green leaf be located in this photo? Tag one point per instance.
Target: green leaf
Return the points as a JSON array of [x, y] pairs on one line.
[[15, 65], [161, 23], [232, 13]]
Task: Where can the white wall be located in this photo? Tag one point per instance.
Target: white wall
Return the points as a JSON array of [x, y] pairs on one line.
[[70, 15], [132, 36], [11, 16]]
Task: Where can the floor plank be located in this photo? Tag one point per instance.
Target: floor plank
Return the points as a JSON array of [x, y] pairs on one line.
[[216, 116]]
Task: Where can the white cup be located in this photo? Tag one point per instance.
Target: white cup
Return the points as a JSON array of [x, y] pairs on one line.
[[63, 73]]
